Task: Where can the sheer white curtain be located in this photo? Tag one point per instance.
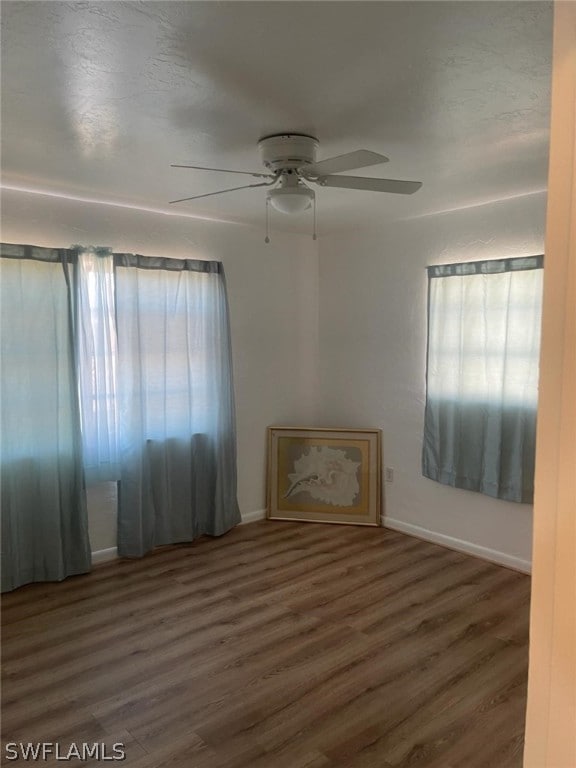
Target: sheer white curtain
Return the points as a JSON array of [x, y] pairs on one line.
[[482, 375], [98, 363]]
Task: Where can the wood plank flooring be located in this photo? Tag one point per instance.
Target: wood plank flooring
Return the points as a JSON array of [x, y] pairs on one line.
[[279, 645]]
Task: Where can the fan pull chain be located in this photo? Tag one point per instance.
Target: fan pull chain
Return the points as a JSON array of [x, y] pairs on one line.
[[314, 232], [267, 238]]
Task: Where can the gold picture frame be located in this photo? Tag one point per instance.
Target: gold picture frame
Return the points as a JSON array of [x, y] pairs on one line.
[[324, 475]]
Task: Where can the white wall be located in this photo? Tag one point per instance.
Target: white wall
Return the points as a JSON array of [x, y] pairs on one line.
[[273, 295], [349, 324], [373, 293]]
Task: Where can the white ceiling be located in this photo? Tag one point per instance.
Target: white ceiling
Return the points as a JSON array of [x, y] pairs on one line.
[[98, 98]]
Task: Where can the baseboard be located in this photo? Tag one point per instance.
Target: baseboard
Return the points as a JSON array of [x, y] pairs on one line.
[[251, 517], [460, 545], [103, 555]]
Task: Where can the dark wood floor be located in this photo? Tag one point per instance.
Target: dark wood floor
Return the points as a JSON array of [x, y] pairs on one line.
[[280, 645]]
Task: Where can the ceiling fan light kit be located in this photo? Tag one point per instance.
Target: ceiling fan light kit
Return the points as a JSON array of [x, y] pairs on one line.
[[292, 196], [291, 160], [291, 200]]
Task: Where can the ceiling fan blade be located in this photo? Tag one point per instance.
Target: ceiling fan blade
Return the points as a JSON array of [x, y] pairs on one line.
[[394, 186], [224, 170], [348, 162], [221, 192]]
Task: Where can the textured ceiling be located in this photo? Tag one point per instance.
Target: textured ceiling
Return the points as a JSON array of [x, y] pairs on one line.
[[98, 98]]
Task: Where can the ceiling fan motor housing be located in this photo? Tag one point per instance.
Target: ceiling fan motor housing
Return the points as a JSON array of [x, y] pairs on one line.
[[287, 150]]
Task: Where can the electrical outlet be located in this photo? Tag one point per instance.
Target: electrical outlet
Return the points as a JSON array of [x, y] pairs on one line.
[[389, 474]]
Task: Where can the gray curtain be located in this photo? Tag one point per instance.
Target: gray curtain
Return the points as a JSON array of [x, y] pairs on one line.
[[177, 438], [44, 519], [482, 376]]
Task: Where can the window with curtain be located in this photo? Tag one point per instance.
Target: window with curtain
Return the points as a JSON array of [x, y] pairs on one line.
[[176, 405], [482, 375], [114, 367]]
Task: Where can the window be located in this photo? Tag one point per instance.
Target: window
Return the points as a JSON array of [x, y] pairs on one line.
[[150, 338], [482, 375], [120, 365], [169, 332]]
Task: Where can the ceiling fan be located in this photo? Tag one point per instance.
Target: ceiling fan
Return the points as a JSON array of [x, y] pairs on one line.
[[291, 161]]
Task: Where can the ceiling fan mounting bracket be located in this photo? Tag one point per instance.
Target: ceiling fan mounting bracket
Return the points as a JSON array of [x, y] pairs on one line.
[[285, 151]]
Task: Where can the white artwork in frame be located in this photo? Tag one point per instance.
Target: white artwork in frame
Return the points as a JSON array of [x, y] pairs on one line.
[[324, 475]]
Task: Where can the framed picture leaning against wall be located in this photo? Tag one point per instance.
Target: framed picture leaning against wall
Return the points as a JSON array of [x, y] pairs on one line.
[[324, 475]]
